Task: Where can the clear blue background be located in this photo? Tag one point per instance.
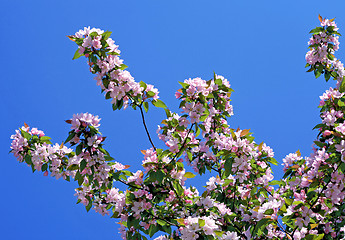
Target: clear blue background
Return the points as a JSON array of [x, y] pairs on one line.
[[258, 45]]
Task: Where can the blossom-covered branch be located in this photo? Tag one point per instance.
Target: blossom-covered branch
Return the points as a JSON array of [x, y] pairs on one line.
[[239, 200]]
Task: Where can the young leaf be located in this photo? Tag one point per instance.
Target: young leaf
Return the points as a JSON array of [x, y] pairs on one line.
[[106, 35], [317, 73], [244, 132], [178, 188], [273, 161], [159, 103], [342, 85], [45, 139], [77, 55], [143, 85], [189, 175], [298, 153], [123, 67], [184, 85], [146, 106], [25, 134]]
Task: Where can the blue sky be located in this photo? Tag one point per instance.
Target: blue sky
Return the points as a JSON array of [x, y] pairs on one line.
[[258, 45]]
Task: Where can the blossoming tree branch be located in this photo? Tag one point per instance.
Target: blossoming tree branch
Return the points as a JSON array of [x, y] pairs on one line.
[[239, 200]]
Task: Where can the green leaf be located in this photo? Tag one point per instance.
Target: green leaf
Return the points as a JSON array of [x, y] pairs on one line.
[[119, 104], [79, 149], [44, 167], [227, 167], [161, 222], [219, 82], [203, 117], [189, 175], [113, 53], [317, 73], [93, 34], [73, 167], [25, 134], [320, 144], [287, 173], [107, 95], [158, 176], [103, 151], [273, 161], [45, 138], [106, 35], [77, 55], [159, 103], [319, 126], [167, 112], [327, 75], [342, 85], [190, 156], [310, 69], [314, 236], [311, 195], [108, 158], [330, 29], [123, 67], [288, 201], [197, 131], [80, 180], [83, 164], [105, 82], [341, 103], [115, 215], [27, 159], [70, 136], [178, 188], [342, 167], [143, 85], [201, 222], [262, 224], [274, 182], [89, 206], [150, 94], [317, 30], [269, 212], [146, 106], [152, 230], [133, 222], [184, 85]]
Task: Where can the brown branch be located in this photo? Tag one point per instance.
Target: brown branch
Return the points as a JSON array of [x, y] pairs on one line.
[[144, 123]]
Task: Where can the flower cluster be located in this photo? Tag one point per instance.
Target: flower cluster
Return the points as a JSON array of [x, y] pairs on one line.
[[90, 164], [104, 61], [322, 45], [313, 188]]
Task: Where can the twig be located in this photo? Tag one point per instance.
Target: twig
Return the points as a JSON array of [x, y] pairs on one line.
[[147, 131]]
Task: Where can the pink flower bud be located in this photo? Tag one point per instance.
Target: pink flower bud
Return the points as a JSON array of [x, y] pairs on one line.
[[178, 94], [326, 133]]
